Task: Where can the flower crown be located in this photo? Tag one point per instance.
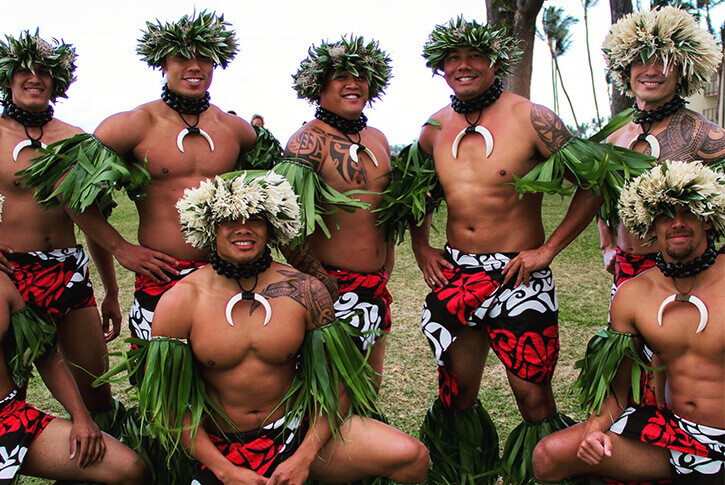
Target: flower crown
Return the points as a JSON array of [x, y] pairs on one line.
[[361, 60], [29, 51], [659, 191], [203, 35], [494, 43], [203, 208], [670, 34]]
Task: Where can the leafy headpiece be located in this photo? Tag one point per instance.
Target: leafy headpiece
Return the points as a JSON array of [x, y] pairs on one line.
[[29, 51], [670, 34], [202, 209], [498, 46], [204, 35], [351, 55], [659, 191]]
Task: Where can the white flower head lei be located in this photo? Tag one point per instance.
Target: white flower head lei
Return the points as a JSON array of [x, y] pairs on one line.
[[660, 191], [673, 36]]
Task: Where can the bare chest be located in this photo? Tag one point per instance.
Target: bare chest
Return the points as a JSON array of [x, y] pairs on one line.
[[356, 163]]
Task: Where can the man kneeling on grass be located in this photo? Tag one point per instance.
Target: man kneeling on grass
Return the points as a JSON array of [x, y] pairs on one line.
[[268, 354]]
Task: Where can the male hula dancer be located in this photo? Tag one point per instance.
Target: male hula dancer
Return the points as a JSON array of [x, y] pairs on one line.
[[682, 206], [181, 137], [39, 249], [31, 441], [491, 284], [662, 126], [259, 332], [353, 259]]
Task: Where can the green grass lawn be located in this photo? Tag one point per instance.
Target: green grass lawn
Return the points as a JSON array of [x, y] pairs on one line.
[[410, 383]]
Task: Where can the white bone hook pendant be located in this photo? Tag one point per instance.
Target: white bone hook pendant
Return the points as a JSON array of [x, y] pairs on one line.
[[26, 144], [481, 130], [193, 130], [354, 149], [651, 140], [686, 299], [248, 296]]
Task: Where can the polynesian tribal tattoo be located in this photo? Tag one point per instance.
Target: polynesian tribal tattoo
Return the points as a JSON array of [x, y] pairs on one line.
[[305, 290], [549, 127], [303, 260], [690, 136], [309, 146]]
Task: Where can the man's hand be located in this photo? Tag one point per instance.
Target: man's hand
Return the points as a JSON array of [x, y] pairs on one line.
[[593, 447], [430, 261], [238, 475], [609, 254], [290, 472], [86, 442], [111, 316], [525, 263], [146, 262], [5, 265]]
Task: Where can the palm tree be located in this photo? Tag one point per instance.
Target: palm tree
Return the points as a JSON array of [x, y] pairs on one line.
[[587, 4], [556, 33]]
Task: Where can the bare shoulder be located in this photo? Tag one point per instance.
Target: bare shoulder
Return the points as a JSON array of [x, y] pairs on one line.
[[241, 128], [690, 136], [431, 129], [551, 133], [123, 131], [173, 314], [308, 144], [628, 299], [380, 138]]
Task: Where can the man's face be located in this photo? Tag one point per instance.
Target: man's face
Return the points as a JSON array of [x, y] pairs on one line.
[[32, 92], [258, 122], [345, 95], [468, 72], [651, 85], [189, 78], [243, 240], [683, 237]]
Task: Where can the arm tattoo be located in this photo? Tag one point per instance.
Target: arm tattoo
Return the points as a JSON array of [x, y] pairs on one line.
[[303, 260], [351, 171], [549, 127], [306, 291], [307, 145], [690, 136]]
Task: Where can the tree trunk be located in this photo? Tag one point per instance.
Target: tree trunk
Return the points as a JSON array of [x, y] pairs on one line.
[[563, 88], [591, 69], [618, 9], [520, 21]]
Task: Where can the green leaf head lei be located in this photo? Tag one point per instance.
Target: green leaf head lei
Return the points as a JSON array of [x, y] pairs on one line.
[[670, 34], [199, 35], [30, 51], [353, 55], [500, 48], [659, 191]]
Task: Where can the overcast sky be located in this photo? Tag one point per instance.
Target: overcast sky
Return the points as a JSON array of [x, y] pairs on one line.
[[274, 36]]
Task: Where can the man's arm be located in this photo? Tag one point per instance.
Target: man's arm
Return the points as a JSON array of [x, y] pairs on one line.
[[110, 308], [607, 243]]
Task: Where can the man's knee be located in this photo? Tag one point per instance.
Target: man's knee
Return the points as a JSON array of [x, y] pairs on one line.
[[551, 456], [133, 473], [413, 461]]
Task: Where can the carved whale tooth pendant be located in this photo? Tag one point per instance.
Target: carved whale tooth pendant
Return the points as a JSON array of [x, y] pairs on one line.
[[651, 140], [355, 147], [248, 296], [481, 130], [26, 144], [682, 297], [193, 131]]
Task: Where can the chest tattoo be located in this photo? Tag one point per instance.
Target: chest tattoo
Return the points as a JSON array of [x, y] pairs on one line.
[[306, 291], [352, 171]]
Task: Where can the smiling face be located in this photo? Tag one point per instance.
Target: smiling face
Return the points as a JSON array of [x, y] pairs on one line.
[[651, 84], [345, 95], [683, 237], [189, 78], [242, 241], [32, 92], [468, 72]]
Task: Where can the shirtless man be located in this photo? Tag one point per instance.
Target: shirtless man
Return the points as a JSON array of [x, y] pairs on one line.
[[675, 132], [682, 321], [39, 249], [355, 262], [185, 140], [249, 322], [492, 284]]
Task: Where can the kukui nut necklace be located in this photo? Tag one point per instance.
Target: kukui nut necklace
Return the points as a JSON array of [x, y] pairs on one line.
[[645, 118], [471, 106], [347, 128], [686, 270], [186, 106], [28, 119], [238, 271]]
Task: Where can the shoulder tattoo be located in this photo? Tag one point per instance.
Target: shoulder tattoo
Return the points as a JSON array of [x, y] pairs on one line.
[[307, 145], [549, 127], [305, 290], [690, 136]]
